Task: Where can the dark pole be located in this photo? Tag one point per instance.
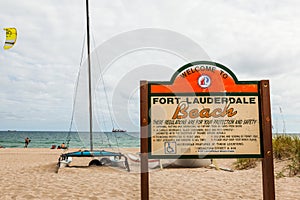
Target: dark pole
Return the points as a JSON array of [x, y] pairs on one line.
[[144, 140], [267, 161], [89, 74]]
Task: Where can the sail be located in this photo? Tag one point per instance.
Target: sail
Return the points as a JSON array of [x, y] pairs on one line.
[[11, 37]]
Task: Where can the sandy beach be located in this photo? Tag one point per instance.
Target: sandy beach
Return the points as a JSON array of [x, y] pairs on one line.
[[31, 174]]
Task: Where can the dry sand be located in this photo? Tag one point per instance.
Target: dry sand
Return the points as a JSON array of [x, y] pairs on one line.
[[30, 174]]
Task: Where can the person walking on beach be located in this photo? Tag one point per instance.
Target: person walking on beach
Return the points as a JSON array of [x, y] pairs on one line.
[[27, 140]]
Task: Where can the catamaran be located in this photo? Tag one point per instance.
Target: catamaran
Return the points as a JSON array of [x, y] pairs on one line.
[[100, 157]]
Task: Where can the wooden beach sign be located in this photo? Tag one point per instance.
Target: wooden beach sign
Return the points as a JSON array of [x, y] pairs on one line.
[[204, 111]]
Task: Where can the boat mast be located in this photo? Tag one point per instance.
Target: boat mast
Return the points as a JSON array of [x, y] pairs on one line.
[[89, 75]]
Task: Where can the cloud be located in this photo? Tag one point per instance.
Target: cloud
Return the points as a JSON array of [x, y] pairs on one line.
[[255, 39]]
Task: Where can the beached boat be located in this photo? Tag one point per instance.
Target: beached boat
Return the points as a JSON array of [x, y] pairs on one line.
[[152, 163], [99, 157], [155, 163]]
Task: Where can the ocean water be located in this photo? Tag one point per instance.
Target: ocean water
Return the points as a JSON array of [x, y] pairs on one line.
[[45, 139]]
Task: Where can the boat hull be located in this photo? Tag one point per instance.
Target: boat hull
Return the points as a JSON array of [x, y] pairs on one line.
[[111, 158], [152, 163], [188, 163]]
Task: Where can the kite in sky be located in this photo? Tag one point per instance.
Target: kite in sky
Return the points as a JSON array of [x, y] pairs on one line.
[[11, 38]]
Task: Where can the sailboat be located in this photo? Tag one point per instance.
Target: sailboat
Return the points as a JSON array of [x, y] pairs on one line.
[[118, 130], [99, 157]]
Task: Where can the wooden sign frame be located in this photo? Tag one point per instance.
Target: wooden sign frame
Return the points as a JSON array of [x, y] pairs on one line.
[[220, 82]]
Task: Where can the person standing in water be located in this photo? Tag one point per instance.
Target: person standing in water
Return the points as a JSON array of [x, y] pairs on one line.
[[27, 141]]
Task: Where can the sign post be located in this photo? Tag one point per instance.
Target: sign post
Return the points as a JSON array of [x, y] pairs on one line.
[[205, 112], [267, 161], [144, 140]]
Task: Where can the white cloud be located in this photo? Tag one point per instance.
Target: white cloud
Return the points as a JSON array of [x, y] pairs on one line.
[[255, 39]]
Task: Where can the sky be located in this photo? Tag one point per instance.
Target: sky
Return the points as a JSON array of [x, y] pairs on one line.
[[256, 40]]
